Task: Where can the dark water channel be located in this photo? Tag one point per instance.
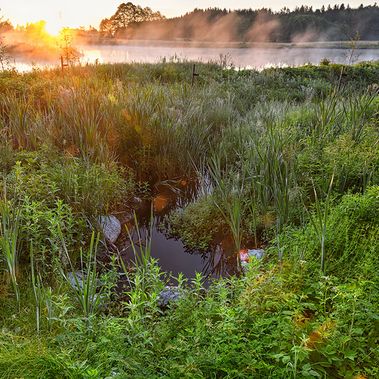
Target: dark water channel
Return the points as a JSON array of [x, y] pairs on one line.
[[172, 255]]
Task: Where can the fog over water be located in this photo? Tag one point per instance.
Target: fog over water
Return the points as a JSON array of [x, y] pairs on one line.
[[253, 57]]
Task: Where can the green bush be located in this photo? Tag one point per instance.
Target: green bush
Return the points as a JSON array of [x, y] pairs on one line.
[[352, 227], [88, 188], [197, 225]]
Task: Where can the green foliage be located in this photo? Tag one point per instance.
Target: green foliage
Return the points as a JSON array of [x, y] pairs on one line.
[[276, 322], [41, 226], [88, 188], [77, 146], [85, 282], [351, 229], [198, 224], [9, 241]]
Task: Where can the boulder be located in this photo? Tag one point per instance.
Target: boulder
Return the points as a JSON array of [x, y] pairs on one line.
[[111, 227]]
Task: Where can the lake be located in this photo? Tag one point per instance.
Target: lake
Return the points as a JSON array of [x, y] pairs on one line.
[[251, 57]]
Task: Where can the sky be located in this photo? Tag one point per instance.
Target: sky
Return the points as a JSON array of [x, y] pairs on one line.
[[75, 13]]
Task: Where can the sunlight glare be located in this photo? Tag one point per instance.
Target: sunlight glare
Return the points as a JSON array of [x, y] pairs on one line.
[[54, 28]]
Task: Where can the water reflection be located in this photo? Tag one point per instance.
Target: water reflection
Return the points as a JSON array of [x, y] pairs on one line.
[[172, 254], [259, 57]]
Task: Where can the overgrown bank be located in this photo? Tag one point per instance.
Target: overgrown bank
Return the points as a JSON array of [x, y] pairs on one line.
[[287, 158]]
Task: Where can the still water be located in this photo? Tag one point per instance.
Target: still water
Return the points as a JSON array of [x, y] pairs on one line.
[[257, 57], [172, 254]]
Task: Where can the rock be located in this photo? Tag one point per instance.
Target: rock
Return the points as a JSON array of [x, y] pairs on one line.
[[111, 227], [257, 253], [247, 254], [137, 200], [169, 295], [76, 279]]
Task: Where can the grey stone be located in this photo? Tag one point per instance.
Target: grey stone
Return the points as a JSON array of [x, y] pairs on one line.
[[169, 295], [252, 253], [76, 279], [257, 253], [111, 227]]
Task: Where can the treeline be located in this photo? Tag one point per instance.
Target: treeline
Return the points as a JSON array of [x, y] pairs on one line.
[[303, 24], [248, 25]]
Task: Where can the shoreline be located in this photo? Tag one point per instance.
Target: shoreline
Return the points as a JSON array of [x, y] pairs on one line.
[[346, 45]]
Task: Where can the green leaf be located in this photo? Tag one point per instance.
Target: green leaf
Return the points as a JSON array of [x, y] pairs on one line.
[[350, 355]]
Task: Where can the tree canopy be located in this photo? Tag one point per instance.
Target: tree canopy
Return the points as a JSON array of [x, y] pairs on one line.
[[126, 14]]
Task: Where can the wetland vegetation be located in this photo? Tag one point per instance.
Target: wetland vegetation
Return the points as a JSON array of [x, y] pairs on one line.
[[286, 159]]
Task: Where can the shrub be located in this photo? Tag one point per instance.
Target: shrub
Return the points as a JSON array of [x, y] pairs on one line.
[[351, 243], [88, 188], [197, 225]]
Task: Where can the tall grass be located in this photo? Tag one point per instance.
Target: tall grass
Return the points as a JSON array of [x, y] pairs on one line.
[[20, 126], [141, 248], [9, 242], [85, 282], [357, 111], [270, 166], [37, 288], [229, 200], [327, 122], [319, 220], [144, 278]]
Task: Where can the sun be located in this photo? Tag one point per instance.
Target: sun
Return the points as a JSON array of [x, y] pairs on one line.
[[54, 28]]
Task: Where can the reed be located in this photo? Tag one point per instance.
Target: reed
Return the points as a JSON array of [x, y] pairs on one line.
[[357, 111], [85, 282], [319, 220], [328, 114], [229, 200], [9, 242], [37, 286], [142, 247]]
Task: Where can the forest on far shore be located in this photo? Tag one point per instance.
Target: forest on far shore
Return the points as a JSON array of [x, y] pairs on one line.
[[302, 24]]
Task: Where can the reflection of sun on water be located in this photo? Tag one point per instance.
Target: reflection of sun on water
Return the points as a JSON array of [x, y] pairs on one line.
[[92, 55]]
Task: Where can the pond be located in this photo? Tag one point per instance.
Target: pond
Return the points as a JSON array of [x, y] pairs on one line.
[[172, 255]]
